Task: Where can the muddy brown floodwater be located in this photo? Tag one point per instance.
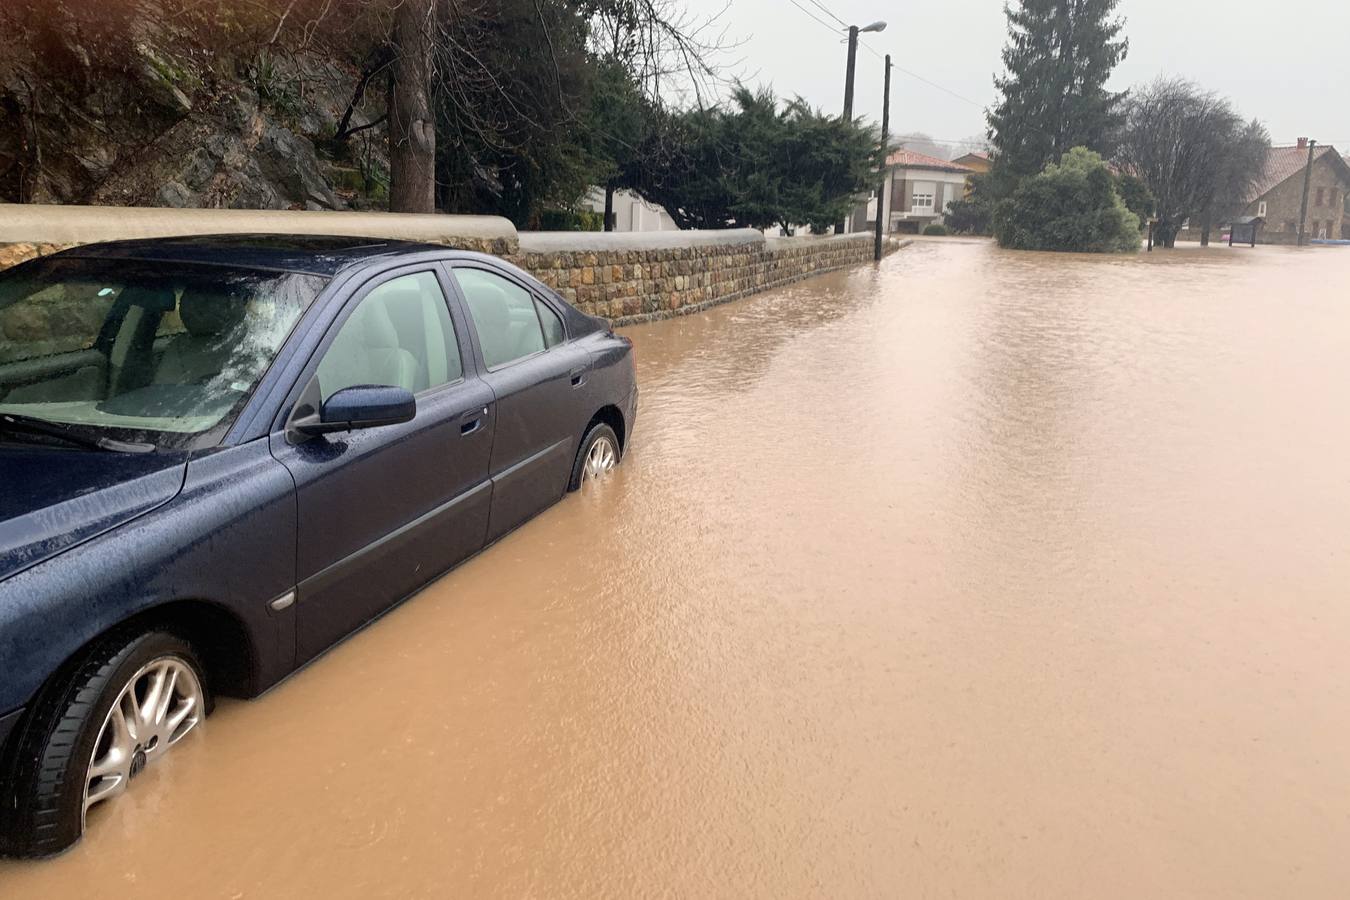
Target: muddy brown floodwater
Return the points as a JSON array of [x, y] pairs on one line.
[[980, 575]]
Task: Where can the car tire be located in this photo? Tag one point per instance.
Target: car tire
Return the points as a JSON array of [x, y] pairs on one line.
[[583, 469], [45, 801]]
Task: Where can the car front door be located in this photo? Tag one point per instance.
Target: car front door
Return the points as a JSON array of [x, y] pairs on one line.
[[384, 510], [534, 374]]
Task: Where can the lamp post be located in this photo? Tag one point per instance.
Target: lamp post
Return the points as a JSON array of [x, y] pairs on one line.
[[853, 32]]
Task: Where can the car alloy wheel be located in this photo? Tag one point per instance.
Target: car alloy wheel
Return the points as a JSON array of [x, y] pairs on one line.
[[154, 710]]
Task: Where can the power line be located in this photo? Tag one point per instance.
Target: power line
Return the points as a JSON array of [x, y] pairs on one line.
[[822, 22], [918, 77], [829, 12], [869, 49]]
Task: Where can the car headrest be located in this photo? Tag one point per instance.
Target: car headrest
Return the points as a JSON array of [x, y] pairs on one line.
[[379, 332], [492, 306], [208, 313], [158, 299], [404, 306]]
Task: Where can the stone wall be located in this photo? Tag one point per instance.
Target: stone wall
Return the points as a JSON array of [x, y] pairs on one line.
[[624, 277], [635, 277]]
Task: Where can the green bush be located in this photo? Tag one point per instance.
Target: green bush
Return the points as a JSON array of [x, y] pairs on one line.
[[937, 229], [973, 215], [1072, 206]]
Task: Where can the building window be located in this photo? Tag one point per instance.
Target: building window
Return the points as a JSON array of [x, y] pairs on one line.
[[1291, 227], [1321, 196], [922, 202], [1261, 209]]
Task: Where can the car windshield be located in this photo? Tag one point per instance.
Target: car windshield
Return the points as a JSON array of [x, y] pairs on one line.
[[154, 352]]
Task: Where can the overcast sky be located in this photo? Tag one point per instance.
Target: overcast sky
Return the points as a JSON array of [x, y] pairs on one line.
[[1286, 62]]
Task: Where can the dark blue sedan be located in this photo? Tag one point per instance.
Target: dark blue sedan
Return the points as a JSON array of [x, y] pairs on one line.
[[220, 455]]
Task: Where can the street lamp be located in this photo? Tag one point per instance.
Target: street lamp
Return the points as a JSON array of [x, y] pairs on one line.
[[853, 32]]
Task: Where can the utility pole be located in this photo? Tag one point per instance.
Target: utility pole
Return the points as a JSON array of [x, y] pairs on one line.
[[852, 69], [1307, 188], [883, 213], [848, 91], [853, 32]]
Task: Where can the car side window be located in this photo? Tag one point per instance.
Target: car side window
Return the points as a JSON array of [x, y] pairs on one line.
[[400, 335], [553, 326], [504, 316]]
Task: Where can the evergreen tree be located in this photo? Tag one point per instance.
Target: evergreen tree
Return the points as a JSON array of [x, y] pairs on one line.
[[759, 163], [1059, 56]]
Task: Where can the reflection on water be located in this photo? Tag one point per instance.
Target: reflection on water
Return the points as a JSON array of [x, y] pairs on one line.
[[981, 575]]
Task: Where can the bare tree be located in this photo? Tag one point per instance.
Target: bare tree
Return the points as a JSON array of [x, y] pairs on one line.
[[660, 46], [665, 47], [1193, 150]]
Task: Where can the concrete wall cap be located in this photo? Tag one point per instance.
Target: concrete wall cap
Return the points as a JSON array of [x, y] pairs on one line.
[[34, 223], [807, 240], [600, 241]]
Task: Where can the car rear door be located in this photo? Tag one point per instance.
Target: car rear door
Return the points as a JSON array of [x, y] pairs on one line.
[[384, 510], [534, 374]]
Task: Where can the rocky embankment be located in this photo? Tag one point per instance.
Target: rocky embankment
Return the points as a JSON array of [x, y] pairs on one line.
[[146, 115]]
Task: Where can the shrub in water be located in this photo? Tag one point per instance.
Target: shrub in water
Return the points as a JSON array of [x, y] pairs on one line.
[[1073, 205]]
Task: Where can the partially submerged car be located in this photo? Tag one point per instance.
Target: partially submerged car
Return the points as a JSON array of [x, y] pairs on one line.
[[220, 455]]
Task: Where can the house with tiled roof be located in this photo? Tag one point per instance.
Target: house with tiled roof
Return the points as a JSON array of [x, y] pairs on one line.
[[976, 160], [920, 188], [1278, 195]]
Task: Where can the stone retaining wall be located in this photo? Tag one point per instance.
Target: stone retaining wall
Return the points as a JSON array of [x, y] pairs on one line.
[[624, 277], [633, 278]]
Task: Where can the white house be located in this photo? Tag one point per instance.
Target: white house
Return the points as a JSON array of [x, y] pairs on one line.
[[631, 212], [920, 189]]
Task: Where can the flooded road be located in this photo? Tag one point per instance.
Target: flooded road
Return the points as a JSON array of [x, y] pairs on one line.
[[980, 575]]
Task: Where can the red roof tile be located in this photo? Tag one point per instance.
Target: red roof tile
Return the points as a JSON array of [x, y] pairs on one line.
[[908, 159]]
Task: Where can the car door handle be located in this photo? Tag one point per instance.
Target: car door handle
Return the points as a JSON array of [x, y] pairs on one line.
[[578, 377], [472, 421]]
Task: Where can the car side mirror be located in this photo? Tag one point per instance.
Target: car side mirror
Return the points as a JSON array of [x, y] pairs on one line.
[[356, 408]]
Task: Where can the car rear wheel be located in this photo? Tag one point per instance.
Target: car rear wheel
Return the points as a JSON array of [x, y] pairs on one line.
[[598, 454], [134, 699]]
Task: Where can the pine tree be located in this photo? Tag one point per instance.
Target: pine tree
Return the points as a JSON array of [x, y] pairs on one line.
[[1059, 56]]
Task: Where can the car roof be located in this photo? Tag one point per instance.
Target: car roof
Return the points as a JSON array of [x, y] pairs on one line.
[[314, 254]]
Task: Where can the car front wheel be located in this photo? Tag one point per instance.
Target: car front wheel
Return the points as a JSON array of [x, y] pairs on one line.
[[127, 705]]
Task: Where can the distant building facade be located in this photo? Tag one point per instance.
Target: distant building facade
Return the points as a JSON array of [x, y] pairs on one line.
[[977, 161], [1278, 196], [631, 212], [921, 188]]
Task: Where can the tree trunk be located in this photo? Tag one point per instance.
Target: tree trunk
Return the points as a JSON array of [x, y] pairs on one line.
[[1205, 227], [412, 128], [609, 207], [1167, 234]]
